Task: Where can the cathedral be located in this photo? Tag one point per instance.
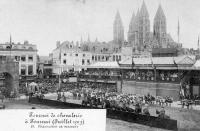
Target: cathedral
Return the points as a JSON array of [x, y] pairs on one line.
[[139, 35], [140, 38]]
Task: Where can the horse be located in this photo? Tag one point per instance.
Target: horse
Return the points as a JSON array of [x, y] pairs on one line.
[[168, 100]]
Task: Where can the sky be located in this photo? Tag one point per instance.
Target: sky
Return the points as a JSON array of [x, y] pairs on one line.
[[43, 22]]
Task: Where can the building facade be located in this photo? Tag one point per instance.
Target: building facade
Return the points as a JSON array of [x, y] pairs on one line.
[[25, 54], [68, 56]]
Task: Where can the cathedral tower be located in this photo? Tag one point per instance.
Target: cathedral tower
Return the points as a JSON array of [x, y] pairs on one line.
[[144, 25], [131, 30], [118, 30], [160, 27]]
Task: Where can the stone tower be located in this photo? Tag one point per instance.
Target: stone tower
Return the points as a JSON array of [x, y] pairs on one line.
[[144, 26], [131, 30], [160, 27], [118, 30]]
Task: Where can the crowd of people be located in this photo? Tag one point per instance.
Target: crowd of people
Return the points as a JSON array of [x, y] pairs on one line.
[[149, 75], [45, 85], [106, 96], [48, 85]]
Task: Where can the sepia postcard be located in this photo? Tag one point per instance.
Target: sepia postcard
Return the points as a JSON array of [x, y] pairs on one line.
[[103, 65]]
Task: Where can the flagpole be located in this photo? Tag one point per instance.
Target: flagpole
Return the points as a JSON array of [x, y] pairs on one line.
[[10, 45], [178, 33], [198, 45]]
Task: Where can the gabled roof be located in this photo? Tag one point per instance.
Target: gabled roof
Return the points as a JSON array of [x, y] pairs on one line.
[[197, 64], [182, 60]]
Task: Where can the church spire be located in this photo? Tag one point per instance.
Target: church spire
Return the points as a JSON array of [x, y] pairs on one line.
[[160, 27], [118, 30], [136, 23], [131, 29], [132, 22], [143, 10], [118, 18], [160, 13]]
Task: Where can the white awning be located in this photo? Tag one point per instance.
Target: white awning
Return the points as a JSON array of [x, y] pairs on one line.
[[104, 65]]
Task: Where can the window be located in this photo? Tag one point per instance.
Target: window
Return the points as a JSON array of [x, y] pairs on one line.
[[64, 61], [30, 48], [17, 58], [23, 69], [83, 55], [117, 57], [30, 70], [65, 54], [83, 61], [98, 57], [114, 58], [30, 58], [92, 57], [23, 58], [76, 54], [88, 61], [2, 58], [120, 58], [95, 58]]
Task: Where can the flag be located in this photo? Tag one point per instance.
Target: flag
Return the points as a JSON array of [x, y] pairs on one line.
[[182, 94], [175, 62]]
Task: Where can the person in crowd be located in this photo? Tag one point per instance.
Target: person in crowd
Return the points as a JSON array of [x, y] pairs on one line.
[[64, 97], [138, 108], [58, 96], [146, 111]]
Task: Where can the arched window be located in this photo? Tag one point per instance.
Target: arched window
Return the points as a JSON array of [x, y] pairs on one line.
[[30, 48]]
